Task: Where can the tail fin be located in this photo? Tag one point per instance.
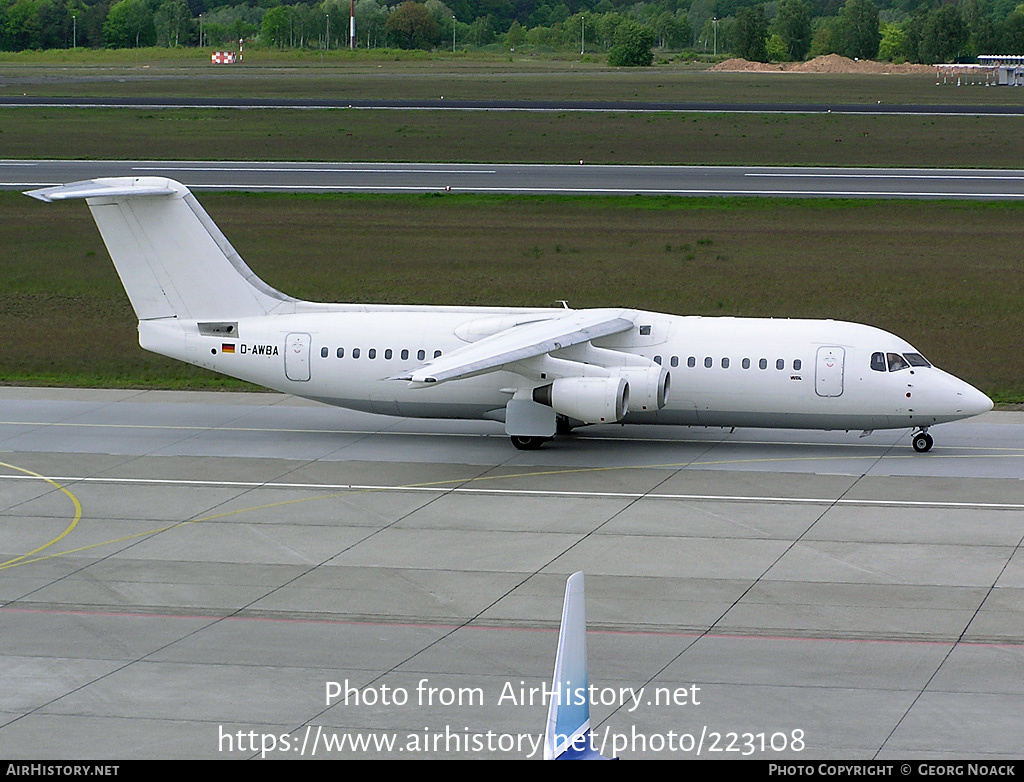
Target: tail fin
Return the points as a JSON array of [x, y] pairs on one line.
[[567, 736], [171, 258]]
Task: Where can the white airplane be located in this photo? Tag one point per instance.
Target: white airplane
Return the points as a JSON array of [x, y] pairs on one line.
[[540, 371]]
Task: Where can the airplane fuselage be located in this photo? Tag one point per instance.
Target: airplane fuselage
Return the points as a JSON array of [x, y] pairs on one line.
[[743, 372]]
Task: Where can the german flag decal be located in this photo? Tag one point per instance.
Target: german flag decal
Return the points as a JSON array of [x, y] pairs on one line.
[[227, 347]]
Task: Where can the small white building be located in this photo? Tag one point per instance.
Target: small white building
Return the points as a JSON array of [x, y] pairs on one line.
[[1009, 68]]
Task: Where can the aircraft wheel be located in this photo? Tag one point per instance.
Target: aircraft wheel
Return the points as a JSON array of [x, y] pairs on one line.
[[562, 425], [525, 443], [922, 442]]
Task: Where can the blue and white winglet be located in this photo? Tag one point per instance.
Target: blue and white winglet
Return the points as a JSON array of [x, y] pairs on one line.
[[568, 735]]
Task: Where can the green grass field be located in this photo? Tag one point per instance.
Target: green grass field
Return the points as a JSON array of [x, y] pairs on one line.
[[397, 75], [613, 137], [481, 136], [947, 276]]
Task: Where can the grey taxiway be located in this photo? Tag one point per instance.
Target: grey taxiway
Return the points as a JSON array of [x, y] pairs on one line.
[[185, 575], [576, 178]]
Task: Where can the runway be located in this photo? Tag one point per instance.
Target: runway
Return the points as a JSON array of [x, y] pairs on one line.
[[183, 575], [535, 179]]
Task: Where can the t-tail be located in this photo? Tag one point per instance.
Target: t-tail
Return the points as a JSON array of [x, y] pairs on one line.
[[568, 735], [171, 258]]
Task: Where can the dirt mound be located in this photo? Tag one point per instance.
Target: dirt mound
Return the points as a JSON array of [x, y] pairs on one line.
[[739, 64], [827, 63]]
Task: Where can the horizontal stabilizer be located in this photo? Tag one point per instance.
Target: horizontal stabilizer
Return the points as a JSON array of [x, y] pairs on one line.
[[103, 188]]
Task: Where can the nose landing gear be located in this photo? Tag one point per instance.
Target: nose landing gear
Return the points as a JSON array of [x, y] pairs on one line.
[[922, 441]]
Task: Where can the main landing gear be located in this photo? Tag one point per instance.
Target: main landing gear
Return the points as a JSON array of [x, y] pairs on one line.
[[527, 443], [922, 441], [563, 426]]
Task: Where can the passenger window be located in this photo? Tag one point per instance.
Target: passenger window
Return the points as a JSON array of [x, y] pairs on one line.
[[746, 363], [341, 352], [780, 364], [708, 362], [691, 362], [896, 362], [675, 361], [323, 352], [405, 354], [371, 353], [797, 363], [388, 354], [355, 352], [763, 363], [657, 360], [725, 363], [421, 355], [437, 354], [878, 362]]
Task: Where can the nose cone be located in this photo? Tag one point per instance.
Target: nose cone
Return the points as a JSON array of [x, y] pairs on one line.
[[951, 399], [974, 401]]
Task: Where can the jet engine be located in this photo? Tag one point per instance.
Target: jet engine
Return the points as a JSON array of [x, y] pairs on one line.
[[648, 386], [593, 400]]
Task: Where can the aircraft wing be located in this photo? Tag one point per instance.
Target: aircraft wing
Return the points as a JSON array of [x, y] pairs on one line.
[[519, 343]]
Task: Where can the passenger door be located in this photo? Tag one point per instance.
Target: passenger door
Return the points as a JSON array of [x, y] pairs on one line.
[[296, 357], [828, 372]]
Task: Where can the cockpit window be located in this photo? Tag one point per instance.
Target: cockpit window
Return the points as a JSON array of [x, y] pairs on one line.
[[896, 362], [878, 362], [916, 360]]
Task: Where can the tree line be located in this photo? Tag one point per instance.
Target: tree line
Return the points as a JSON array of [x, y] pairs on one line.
[[627, 32]]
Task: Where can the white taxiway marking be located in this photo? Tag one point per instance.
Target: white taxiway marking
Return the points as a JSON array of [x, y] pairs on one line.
[[584, 190], [67, 480], [880, 175], [274, 170]]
